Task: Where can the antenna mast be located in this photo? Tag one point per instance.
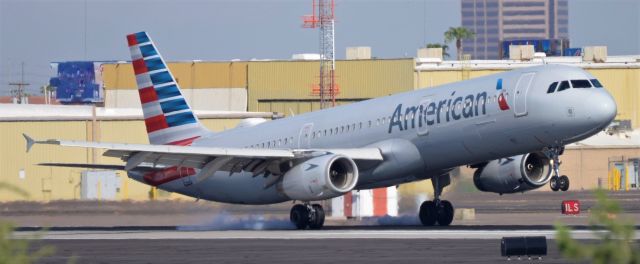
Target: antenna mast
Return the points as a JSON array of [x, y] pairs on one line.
[[323, 17]]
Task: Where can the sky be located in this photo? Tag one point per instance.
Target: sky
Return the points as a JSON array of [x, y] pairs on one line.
[[37, 32]]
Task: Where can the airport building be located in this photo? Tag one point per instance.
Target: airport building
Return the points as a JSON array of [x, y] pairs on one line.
[[223, 93]]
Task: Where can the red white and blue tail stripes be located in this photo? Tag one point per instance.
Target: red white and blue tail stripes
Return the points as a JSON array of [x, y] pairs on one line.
[[168, 117]]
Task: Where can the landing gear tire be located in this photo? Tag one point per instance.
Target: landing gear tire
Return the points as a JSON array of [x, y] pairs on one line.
[[428, 213], [445, 213], [317, 221], [436, 212], [305, 215], [553, 183], [563, 183], [299, 216]]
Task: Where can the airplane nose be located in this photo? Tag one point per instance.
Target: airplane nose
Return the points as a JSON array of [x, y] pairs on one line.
[[603, 108]]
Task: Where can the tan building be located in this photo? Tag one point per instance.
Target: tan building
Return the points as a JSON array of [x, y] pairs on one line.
[[604, 161], [287, 86], [218, 86]]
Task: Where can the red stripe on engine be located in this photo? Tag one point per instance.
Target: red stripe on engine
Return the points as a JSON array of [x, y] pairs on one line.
[[156, 178], [183, 142], [148, 95], [155, 123], [132, 40], [139, 66]]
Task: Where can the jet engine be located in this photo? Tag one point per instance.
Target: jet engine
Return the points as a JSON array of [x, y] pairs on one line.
[[514, 174], [320, 178]]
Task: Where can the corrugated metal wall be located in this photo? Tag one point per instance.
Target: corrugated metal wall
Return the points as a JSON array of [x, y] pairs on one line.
[[428, 79], [283, 85], [190, 75], [624, 85], [50, 183]]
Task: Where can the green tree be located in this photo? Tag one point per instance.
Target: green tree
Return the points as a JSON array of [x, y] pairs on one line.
[[18, 251], [444, 48], [615, 236], [458, 34]]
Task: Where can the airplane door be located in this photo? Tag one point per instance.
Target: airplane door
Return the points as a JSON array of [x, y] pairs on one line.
[[304, 138], [520, 94]]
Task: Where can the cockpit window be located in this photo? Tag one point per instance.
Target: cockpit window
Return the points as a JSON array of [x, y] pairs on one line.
[[580, 84], [596, 83], [552, 87], [563, 86]]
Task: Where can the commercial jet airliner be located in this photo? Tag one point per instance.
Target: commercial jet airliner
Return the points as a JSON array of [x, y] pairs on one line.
[[511, 127]]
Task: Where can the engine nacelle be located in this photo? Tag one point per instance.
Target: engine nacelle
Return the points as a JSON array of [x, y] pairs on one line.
[[514, 174], [320, 178]]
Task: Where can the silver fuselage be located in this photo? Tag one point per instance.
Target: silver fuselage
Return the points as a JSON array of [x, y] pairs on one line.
[[422, 133]]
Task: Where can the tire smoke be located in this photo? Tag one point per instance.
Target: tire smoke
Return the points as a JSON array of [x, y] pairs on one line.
[[227, 221]]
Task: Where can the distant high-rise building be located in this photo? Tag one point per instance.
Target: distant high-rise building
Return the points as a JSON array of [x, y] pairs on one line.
[[496, 20]]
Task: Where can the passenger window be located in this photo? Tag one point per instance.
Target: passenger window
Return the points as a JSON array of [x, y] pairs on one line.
[[563, 86], [596, 83], [580, 84], [552, 87]]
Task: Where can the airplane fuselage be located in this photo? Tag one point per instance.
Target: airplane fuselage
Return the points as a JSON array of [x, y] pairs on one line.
[[422, 133]]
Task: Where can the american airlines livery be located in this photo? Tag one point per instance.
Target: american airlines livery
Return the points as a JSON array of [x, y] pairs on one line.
[[511, 127]]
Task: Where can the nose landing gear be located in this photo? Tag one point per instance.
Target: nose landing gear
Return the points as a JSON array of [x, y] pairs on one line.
[[307, 215], [557, 182]]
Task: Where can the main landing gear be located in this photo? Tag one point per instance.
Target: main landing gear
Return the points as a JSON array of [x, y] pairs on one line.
[[557, 182], [437, 211], [307, 215]]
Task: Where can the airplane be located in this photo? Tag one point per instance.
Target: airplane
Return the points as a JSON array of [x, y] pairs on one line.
[[511, 127]]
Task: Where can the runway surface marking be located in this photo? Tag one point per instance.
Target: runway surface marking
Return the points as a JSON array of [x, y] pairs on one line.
[[297, 234]]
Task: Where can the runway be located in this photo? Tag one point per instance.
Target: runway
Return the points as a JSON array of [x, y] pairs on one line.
[[355, 245], [164, 232], [329, 233]]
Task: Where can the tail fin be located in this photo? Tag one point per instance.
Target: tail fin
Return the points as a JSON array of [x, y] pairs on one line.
[[168, 117]]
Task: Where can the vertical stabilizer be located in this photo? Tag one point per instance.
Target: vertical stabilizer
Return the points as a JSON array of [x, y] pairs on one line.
[[167, 116]]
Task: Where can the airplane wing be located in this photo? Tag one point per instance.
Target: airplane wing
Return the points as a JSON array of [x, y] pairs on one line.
[[209, 159]]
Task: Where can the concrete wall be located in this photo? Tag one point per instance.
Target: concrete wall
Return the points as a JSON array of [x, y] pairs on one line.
[[587, 167]]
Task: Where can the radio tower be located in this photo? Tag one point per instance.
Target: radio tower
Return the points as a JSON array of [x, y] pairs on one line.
[[324, 19]]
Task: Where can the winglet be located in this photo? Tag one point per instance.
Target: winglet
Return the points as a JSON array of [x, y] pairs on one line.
[[29, 140]]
